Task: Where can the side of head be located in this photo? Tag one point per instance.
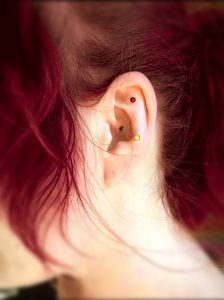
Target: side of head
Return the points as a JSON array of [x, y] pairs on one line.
[[62, 113]]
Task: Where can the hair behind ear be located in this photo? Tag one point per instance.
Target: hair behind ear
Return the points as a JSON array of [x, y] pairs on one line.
[[35, 152], [203, 163]]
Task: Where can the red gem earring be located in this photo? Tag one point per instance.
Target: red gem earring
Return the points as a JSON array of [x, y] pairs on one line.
[[132, 99]]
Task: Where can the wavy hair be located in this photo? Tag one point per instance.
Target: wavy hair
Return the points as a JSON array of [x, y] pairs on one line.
[[181, 54]]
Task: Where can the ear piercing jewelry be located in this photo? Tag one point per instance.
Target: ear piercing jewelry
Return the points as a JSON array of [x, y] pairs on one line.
[[132, 99], [137, 137], [121, 128]]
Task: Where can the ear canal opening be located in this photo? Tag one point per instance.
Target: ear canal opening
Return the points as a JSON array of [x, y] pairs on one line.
[[122, 130]]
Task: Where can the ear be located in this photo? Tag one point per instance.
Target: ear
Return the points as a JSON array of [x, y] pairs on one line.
[[127, 114]]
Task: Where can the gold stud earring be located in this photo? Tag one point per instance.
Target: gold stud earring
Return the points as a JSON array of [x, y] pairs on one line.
[[137, 137]]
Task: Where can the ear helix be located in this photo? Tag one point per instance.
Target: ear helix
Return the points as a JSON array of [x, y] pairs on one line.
[[137, 137]]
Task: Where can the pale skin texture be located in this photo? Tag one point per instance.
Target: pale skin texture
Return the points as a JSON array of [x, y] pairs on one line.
[[123, 185]]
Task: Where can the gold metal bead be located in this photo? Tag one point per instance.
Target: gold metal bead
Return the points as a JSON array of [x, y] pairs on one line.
[[137, 137]]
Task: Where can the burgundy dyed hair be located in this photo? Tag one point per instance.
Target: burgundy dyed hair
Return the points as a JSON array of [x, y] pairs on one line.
[[181, 54]]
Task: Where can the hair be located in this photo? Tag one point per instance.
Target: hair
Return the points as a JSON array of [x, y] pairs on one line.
[[182, 55]]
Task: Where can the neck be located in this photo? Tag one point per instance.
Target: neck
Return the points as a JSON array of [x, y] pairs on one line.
[[155, 250]]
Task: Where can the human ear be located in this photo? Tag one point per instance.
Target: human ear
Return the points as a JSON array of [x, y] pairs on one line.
[[127, 114]]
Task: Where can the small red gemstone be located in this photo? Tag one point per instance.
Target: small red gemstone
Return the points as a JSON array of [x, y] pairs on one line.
[[132, 99]]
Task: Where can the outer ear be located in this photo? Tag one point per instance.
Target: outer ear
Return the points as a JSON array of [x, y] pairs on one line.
[[128, 114]]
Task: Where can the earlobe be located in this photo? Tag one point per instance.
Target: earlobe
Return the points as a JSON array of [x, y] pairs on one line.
[[130, 118]]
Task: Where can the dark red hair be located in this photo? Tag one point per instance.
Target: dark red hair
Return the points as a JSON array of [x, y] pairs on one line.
[[181, 54]]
